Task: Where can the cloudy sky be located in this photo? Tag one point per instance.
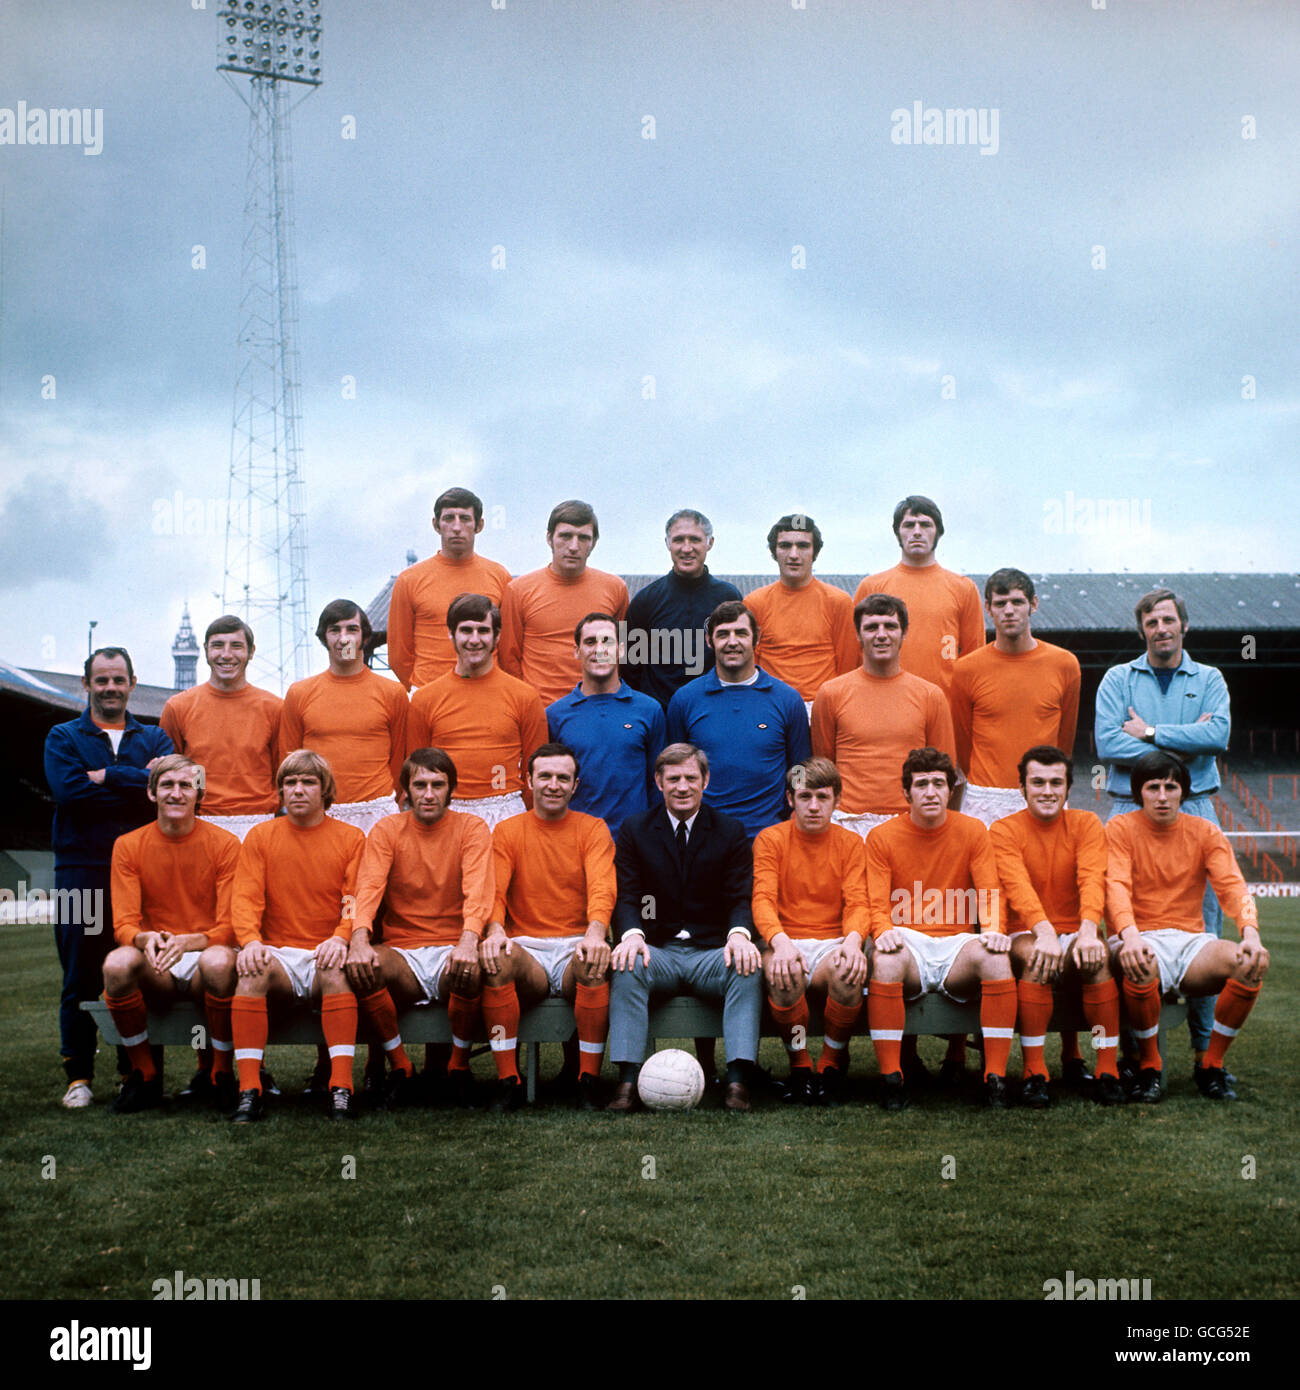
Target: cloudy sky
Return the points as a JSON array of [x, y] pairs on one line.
[[785, 300]]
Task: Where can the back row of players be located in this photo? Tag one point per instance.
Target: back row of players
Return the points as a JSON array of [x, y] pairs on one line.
[[867, 703]]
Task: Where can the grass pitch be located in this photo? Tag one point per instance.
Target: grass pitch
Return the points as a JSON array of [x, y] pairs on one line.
[[943, 1201]]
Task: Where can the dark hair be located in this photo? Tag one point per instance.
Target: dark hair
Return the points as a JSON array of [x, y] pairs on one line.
[[111, 653], [458, 497], [1155, 767], [814, 773], [337, 612], [1148, 601], [228, 622], [553, 750], [572, 513], [729, 612], [474, 608], [593, 618], [1050, 756], [677, 753], [928, 760], [1003, 581], [431, 760], [878, 606], [918, 506], [796, 521]]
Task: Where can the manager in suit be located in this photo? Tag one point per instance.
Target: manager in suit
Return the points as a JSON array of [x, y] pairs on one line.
[[682, 923]]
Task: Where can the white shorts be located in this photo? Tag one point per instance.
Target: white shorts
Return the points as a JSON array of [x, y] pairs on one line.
[[808, 704], [364, 814], [1174, 951], [862, 825], [184, 971], [492, 809], [991, 803], [300, 965], [427, 964], [239, 826], [814, 951], [552, 953], [934, 957]]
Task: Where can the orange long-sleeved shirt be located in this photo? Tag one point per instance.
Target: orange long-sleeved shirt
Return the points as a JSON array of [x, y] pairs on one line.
[[945, 617], [553, 877], [1051, 871], [867, 725], [924, 878], [538, 614], [806, 635], [177, 884], [419, 645], [356, 723], [297, 887], [489, 725], [438, 879], [1005, 702], [1156, 876], [233, 735], [810, 886]]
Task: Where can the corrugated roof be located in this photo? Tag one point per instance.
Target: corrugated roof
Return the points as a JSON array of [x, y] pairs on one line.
[[146, 701], [28, 684]]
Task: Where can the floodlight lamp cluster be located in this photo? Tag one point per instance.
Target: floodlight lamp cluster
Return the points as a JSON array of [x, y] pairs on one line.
[[269, 40]]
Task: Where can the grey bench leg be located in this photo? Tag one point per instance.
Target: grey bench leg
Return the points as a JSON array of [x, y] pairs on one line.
[[530, 1070]]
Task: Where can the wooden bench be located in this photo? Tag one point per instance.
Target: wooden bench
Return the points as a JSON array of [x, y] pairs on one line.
[[552, 1022]]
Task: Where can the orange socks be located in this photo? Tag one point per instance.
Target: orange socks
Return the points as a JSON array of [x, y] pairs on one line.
[[501, 1019], [381, 1014], [1035, 1012], [1234, 1003], [219, 1033], [1101, 1009], [591, 1016], [462, 1015], [248, 1028], [338, 1022], [788, 1019], [998, 1024], [886, 1015], [839, 1020], [1143, 1002], [132, 1021]]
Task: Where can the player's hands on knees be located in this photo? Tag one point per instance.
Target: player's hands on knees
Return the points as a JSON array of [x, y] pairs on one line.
[[784, 964], [850, 961], [463, 963], [1045, 960], [1252, 960], [494, 945], [889, 942], [625, 954], [593, 949], [1138, 962], [740, 953], [1089, 949], [253, 960], [362, 958], [995, 943], [332, 953]]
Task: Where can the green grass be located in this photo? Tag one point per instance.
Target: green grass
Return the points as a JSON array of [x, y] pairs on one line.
[[555, 1204]]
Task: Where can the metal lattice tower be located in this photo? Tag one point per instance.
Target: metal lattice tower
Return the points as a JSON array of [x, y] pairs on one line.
[[265, 578]]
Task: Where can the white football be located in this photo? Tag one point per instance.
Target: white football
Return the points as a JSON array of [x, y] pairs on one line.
[[671, 1080]]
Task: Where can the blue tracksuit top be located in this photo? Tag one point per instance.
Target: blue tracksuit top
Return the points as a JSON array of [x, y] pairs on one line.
[[672, 605]]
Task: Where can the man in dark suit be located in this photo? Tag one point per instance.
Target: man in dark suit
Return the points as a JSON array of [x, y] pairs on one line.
[[682, 923]]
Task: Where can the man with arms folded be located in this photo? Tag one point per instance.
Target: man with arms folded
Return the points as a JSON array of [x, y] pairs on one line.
[[1166, 700], [295, 891], [683, 923], [867, 721], [666, 619], [1012, 694], [945, 607], [810, 904], [539, 609], [549, 933], [486, 721], [1052, 866], [229, 727], [1159, 863], [418, 647], [355, 719], [616, 731], [431, 870], [752, 727], [172, 882], [932, 885], [807, 625], [97, 767]]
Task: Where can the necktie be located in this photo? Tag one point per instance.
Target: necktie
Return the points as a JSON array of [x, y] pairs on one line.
[[681, 842]]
